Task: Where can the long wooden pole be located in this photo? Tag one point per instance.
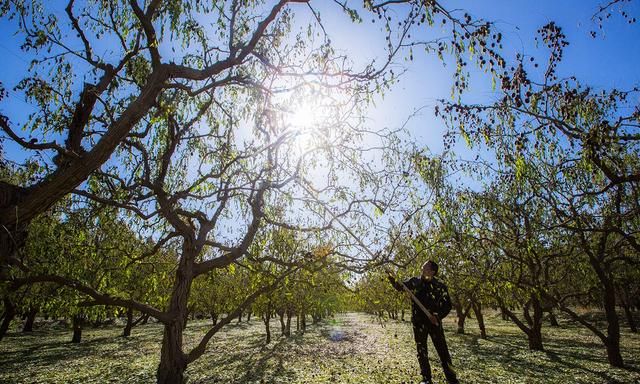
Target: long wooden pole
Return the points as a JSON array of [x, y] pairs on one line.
[[417, 301]]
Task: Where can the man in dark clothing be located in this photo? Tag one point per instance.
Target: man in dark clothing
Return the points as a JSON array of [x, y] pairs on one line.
[[433, 296]]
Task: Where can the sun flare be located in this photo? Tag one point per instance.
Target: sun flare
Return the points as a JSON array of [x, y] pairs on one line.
[[303, 117], [306, 118]]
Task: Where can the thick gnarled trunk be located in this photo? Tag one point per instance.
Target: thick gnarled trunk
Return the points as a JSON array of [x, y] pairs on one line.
[[533, 326], [173, 361]]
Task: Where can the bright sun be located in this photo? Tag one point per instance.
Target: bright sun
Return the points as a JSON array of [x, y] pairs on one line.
[[313, 117], [302, 117], [306, 114], [306, 118]]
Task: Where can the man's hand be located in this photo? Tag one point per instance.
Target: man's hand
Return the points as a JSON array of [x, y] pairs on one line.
[[433, 318], [390, 276]]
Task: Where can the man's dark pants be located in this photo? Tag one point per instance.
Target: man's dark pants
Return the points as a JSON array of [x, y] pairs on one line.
[[420, 332]]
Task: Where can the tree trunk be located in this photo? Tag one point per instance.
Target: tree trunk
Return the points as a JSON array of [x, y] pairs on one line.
[[612, 341], [477, 311], [31, 318], [282, 324], [553, 320], [503, 314], [288, 328], [7, 316], [533, 332], [145, 319], [535, 323], [402, 314], [303, 322], [249, 316], [266, 317], [127, 328], [461, 315], [613, 353], [173, 362], [186, 320], [613, 329], [10, 243], [214, 318], [78, 321], [239, 317], [631, 322]]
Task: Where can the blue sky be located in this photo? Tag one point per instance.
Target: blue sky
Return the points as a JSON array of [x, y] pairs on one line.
[[609, 60]]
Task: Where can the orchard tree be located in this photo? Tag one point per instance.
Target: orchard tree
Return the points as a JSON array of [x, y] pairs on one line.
[[576, 150], [87, 101], [216, 164], [86, 246]]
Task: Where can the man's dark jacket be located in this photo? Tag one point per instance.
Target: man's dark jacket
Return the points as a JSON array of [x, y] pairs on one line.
[[432, 294]]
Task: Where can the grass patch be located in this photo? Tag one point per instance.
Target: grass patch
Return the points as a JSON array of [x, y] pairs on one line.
[[351, 348]]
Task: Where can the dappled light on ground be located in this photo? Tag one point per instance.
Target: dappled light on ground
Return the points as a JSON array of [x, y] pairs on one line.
[[350, 348]]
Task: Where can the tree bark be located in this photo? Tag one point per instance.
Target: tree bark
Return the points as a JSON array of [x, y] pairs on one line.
[[631, 322], [127, 328], [612, 340], [533, 327], [19, 205], [214, 318], [287, 332], [78, 321], [31, 318], [173, 361], [553, 320], [266, 317], [477, 311], [282, 324], [303, 322], [7, 316], [612, 343], [613, 353], [535, 323], [461, 319]]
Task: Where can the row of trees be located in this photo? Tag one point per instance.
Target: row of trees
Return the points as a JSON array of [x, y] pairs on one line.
[[168, 120], [93, 249], [167, 172], [552, 220]]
